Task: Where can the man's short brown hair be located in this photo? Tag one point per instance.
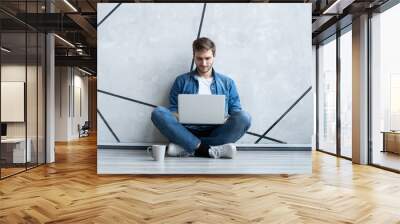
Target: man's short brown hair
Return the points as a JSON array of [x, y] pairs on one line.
[[203, 43]]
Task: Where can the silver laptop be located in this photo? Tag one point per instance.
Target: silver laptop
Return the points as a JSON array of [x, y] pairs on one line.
[[201, 109]]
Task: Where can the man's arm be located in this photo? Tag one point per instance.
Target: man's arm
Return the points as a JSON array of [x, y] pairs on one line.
[[173, 97], [234, 100]]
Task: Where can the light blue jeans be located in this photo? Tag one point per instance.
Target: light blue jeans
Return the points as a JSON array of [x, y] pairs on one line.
[[188, 138]]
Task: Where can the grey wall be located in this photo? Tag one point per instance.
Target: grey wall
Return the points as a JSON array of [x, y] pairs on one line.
[[265, 48], [71, 102]]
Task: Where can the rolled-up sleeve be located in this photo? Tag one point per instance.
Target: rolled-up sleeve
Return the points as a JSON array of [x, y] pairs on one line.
[[173, 96], [234, 100]]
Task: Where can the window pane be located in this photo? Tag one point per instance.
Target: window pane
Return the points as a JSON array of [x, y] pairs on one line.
[[346, 93], [386, 88], [327, 96]]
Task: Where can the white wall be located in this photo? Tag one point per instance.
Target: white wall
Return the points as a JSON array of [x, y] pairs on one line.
[[70, 83], [15, 72], [80, 109], [61, 103], [34, 124]]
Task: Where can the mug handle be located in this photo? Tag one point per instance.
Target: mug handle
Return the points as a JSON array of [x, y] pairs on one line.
[[148, 149]]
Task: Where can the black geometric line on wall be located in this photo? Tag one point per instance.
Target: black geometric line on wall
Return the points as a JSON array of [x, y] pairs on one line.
[[266, 137], [126, 98], [151, 105], [109, 14], [198, 33], [284, 114], [108, 126]]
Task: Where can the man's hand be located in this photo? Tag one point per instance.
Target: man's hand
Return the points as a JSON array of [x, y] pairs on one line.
[[176, 115]]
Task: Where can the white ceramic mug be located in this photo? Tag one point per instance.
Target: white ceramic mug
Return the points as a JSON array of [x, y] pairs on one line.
[[157, 152]]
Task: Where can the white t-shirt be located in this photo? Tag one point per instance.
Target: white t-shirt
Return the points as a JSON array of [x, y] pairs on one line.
[[204, 85]]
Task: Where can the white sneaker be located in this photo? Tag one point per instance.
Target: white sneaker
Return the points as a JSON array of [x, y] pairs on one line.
[[175, 150], [223, 151]]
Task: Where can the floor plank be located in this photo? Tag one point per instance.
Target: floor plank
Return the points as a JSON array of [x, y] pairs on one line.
[[70, 191]]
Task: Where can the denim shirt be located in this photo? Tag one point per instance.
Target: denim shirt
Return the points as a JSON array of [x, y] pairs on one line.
[[221, 85]]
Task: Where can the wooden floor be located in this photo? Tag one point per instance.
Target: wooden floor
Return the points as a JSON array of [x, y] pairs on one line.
[[10, 171], [70, 191]]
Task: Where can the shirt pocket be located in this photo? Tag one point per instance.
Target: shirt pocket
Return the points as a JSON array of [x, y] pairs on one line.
[[189, 89]]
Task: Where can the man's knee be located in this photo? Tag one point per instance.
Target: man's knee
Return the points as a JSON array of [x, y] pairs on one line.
[[158, 113], [243, 118]]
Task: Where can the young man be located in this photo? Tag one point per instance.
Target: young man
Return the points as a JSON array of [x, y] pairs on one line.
[[214, 141]]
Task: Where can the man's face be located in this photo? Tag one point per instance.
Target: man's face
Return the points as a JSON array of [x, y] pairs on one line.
[[204, 60]]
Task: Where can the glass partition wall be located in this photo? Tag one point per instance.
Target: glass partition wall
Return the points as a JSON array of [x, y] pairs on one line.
[[22, 87], [327, 95], [334, 133], [346, 92], [334, 94], [385, 89]]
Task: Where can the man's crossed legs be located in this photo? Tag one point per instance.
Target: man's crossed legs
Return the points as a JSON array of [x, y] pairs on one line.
[[212, 141]]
